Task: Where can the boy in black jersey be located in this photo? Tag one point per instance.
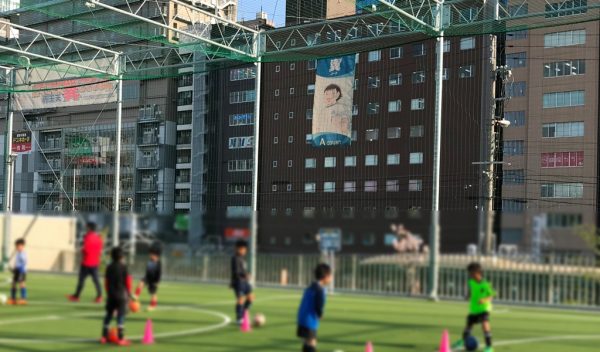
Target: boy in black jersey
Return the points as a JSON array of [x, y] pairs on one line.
[[118, 291], [152, 277], [240, 280]]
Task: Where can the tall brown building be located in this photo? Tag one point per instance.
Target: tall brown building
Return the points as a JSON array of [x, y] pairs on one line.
[[550, 188]]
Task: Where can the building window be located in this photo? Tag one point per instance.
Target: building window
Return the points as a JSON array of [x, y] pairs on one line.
[[567, 38], [394, 106], [350, 161], [445, 74], [292, 90], [394, 132], [275, 164], [240, 74], [291, 114], [393, 159], [564, 68], [240, 165], [274, 187], [355, 110], [368, 239], [275, 140], [566, 8], [350, 186], [467, 43], [392, 186], [309, 212], [310, 89], [241, 142], [238, 212], [417, 131], [562, 129], [417, 104], [416, 158], [562, 190], [374, 55], [516, 89], [516, 60], [466, 71], [415, 185], [277, 68], [276, 92], [564, 99], [290, 163], [516, 205], [309, 114], [329, 187], [239, 188], [241, 119], [310, 187], [330, 162], [395, 79], [513, 177], [562, 220], [373, 82], [418, 77], [311, 65], [419, 49], [184, 98], [517, 35], [372, 135], [373, 108], [309, 138], [370, 186], [245, 96], [348, 212], [290, 139], [354, 136], [310, 163], [516, 118], [396, 53], [513, 147], [276, 116], [185, 118], [292, 65], [371, 160], [562, 159]]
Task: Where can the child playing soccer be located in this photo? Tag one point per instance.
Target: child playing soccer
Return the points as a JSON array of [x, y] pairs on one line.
[[239, 281], [480, 294], [118, 290], [19, 274], [311, 308], [152, 277]]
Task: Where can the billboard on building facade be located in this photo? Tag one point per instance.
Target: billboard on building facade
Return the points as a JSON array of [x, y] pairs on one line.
[[332, 109]]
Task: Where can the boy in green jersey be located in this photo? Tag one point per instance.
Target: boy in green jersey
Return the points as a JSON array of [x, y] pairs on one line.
[[480, 295]]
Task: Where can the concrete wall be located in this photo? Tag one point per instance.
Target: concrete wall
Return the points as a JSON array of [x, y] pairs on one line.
[[50, 241]]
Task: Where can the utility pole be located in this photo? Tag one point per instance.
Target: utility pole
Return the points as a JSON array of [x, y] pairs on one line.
[[8, 172]]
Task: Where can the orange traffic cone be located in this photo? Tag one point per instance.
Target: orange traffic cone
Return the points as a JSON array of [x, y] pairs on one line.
[[445, 342], [148, 334], [245, 327], [369, 347]]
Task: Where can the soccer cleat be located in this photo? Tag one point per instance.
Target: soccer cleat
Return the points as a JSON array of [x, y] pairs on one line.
[[98, 300], [124, 342], [488, 349], [73, 298], [103, 340], [22, 302], [458, 345], [11, 302]]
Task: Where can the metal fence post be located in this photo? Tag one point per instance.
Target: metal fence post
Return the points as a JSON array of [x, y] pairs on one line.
[[354, 264], [300, 270], [205, 264]]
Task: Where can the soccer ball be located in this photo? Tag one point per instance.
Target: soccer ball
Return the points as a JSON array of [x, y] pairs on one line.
[[134, 306], [259, 320], [3, 300], [471, 343]]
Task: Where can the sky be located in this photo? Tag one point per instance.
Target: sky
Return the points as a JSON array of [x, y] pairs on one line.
[[274, 8]]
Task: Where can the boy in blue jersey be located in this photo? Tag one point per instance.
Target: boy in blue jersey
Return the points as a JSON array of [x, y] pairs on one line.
[[19, 274], [311, 308]]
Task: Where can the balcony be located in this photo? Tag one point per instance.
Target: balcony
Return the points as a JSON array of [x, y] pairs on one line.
[[47, 188], [147, 163], [148, 139], [51, 144], [51, 165], [182, 179], [184, 159], [148, 186], [148, 208], [182, 199]]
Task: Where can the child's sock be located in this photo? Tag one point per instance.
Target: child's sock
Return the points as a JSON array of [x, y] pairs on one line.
[[121, 333], [138, 291], [247, 304], [105, 331], [153, 302], [308, 348], [13, 293], [23, 292], [239, 311], [488, 339]]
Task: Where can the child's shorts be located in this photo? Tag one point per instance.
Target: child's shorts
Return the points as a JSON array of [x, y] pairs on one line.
[[19, 276], [306, 333], [473, 319]]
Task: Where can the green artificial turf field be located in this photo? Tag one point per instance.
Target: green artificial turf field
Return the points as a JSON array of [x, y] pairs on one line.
[[195, 317]]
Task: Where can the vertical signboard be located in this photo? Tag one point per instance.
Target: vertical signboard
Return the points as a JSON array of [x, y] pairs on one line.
[[21, 142], [332, 109]]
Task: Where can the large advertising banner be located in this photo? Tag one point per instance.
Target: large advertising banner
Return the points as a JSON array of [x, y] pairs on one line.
[[332, 109]]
